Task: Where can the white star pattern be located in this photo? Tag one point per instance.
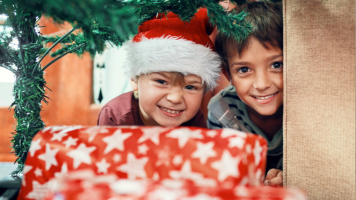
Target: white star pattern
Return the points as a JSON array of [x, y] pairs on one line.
[[134, 167], [93, 131], [64, 132], [70, 142], [185, 172], [57, 128], [102, 166], [227, 166], [248, 148], [35, 145], [244, 181], [64, 171], [81, 155], [117, 158], [184, 149], [46, 129], [115, 141], [257, 150], [49, 156], [155, 176], [201, 196], [164, 156], [39, 191], [227, 132], [211, 133], [58, 136], [259, 174], [241, 192], [151, 134], [183, 135], [204, 151], [26, 169], [236, 142], [142, 149], [38, 172], [166, 194], [177, 160]]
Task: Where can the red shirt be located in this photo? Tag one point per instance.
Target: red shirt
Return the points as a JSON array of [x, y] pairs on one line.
[[124, 110]]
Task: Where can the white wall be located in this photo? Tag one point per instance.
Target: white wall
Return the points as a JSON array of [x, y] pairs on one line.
[[113, 80], [6, 85]]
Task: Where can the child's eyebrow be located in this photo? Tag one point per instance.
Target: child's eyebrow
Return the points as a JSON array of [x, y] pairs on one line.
[[193, 82], [276, 56], [163, 74], [240, 63]]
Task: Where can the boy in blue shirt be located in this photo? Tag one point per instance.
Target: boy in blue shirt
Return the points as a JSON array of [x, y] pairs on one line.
[[254, 100]]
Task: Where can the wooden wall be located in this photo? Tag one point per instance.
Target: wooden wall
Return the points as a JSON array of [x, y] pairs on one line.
[[70, 80]]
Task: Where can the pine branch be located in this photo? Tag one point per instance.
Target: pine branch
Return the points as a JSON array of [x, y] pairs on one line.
[[21, 53], [48, 50], [7, 53], [229, 24], [59, 57]]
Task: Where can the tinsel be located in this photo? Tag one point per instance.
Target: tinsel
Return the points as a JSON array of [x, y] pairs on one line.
[[98, 22]]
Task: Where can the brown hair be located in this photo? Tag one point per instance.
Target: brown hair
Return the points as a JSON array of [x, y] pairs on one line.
[[266, 19], [178, 79]]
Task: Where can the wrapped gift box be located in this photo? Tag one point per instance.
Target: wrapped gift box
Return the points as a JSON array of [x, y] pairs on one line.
[[208, 158], [85, 184]]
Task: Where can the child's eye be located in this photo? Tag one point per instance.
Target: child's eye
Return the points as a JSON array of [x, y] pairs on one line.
[[190, 87], [277, 65], [243, 70], [161, 82]]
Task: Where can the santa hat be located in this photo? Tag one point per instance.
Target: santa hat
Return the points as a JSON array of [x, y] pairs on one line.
[[166, 43]]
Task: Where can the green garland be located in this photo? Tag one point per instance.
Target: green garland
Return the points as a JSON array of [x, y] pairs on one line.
[[100, 21]]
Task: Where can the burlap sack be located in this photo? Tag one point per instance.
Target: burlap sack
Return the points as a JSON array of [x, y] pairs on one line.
[[319, 97]]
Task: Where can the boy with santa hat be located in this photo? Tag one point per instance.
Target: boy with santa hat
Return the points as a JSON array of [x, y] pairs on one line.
[[171, 64]]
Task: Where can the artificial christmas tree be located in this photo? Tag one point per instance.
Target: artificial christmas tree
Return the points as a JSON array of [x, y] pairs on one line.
[[99, 21]]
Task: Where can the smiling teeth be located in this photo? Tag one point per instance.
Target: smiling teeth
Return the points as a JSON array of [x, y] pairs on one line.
[[170, 111], [265, 97]]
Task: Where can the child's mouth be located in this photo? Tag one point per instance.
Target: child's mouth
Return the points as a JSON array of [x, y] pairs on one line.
[[170, 112], [265, 99]]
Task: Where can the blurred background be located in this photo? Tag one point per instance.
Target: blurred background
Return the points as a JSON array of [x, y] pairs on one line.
[[80, 86]]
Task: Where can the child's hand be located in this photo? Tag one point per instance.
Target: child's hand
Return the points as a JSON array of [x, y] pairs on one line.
[[274, 178]]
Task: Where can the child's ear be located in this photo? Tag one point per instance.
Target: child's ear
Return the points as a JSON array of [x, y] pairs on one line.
[[226, 74], [134, 84]]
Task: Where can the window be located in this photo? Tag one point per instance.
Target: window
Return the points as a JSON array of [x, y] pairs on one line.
[[7, 78], [109, 78]]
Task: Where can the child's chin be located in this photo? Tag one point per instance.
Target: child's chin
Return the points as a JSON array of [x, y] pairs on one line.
[[264, 113], [169, 124]]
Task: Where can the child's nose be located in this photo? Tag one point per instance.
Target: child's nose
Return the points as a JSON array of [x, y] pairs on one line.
[[175, 95], [262, 81]]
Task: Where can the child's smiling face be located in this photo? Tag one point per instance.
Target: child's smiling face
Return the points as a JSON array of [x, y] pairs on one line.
[[257, 75], [167, 104]]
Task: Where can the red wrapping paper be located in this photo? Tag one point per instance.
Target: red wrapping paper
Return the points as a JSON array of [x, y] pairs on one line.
[[207, 158], [86, 184]]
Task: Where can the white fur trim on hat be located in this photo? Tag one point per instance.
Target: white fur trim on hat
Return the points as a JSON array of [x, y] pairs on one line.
[[172, 54]]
